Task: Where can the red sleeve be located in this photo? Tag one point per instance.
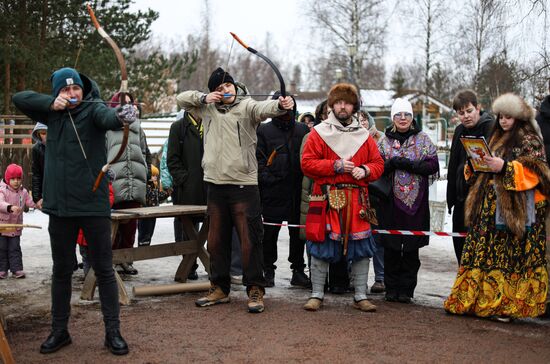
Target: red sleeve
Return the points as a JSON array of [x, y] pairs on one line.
[[314, 164], [111, 195], [374, 162]]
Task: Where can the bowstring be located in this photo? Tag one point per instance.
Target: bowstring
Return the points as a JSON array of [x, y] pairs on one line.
[[81, 146], [227, 63]]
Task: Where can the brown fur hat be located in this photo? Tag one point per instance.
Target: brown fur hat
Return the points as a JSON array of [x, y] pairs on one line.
[[346, 92], [516, 107]]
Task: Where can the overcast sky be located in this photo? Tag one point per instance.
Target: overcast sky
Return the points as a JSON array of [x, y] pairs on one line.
[[251, 20], [290, 28]]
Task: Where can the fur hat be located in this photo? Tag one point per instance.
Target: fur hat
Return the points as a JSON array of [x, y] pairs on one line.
[[13, 171], [218, 77], [401, 105], [65, 77], [346, 92], [513, 105]]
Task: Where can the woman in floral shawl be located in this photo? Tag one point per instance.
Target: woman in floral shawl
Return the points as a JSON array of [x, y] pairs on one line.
[[411, 164], [503, 272]]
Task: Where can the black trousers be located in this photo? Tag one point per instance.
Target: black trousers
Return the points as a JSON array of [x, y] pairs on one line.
[[97, 231], [401, 271], [236, 206], [296, 245], [458, 227]]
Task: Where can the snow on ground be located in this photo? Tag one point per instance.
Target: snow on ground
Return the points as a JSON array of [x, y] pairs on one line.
[[434, 282]]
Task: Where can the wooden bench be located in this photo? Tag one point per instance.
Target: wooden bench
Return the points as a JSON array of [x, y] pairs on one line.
[[189, 249]]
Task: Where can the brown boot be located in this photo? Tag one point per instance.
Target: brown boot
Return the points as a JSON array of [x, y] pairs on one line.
[[313, 304], [364, 305], [255, 300], [215, 295]]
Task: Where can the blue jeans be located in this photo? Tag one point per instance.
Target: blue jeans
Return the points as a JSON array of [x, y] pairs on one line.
[[378, 258]]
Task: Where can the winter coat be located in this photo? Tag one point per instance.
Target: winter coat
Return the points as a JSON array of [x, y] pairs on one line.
[[131, 168], [280, 182], [37, 167], [165, 177], [307, 185], [11, 197], [230, 135], [185, 151], [543, 119], [457, 188], [318, 163], [69, 176], [411, 163]]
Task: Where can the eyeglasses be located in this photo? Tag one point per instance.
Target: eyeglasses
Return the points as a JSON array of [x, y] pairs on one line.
[[400, 115]]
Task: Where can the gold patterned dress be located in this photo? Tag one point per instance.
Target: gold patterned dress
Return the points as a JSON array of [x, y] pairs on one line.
[[501, 274]]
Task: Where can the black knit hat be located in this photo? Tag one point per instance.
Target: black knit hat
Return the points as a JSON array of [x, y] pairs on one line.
[[218, 77]]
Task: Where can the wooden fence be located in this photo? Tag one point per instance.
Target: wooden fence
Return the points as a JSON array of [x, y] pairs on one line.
[[16, 141], [16, 144]]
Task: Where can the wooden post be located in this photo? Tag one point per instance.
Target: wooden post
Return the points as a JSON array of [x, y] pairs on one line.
[[170, 288], [5, 351]]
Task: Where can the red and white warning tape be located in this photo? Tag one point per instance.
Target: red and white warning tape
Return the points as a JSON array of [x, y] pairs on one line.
[[388, 232]]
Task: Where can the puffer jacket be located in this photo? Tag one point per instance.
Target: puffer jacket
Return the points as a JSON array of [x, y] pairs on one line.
[[68, 176], [131, 169], [37, 167], [230, 135], [11, 197]]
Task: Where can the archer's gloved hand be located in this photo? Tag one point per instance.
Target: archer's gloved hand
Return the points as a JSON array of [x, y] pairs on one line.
[[126, 113]]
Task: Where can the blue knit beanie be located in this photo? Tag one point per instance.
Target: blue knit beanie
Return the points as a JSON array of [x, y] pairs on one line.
[[65, 77]]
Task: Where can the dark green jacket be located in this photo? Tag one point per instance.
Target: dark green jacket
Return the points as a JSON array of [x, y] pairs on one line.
[[68, 177], [185, 151]]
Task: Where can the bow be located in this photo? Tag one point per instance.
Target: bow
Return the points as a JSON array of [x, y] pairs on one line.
[[122, 92], [275, 69], [279, 76]]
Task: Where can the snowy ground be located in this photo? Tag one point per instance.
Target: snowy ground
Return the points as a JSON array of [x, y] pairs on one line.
[[31, 296]]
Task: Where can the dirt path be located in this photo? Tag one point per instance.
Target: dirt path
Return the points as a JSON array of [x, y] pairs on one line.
[[173, 330], [170, 329]]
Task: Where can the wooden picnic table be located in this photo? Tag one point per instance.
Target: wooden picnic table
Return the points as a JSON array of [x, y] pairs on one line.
[[189, 249]]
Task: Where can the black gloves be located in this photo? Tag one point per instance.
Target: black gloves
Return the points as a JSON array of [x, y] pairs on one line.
[[402, 163]]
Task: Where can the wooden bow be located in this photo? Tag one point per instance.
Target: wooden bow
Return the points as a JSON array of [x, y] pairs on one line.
[[123, 91], [279, 76], [267, 60]]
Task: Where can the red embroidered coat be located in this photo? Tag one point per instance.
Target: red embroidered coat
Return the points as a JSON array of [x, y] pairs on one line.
[[318, 163]]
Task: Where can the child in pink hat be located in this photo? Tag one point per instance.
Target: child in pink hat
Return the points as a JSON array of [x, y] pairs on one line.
[[14, 198]]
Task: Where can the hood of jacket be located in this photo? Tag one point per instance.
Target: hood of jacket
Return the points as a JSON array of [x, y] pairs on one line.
[[39, 126]]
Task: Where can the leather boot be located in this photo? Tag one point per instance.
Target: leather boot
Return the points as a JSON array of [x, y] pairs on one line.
[[55, 341], [115, 343]]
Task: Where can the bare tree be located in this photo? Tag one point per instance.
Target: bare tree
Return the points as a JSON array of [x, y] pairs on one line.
[[480, 32], [431, 16], [355, 30]]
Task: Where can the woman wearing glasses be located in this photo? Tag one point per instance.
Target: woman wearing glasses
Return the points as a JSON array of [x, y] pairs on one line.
[[411, 165]]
